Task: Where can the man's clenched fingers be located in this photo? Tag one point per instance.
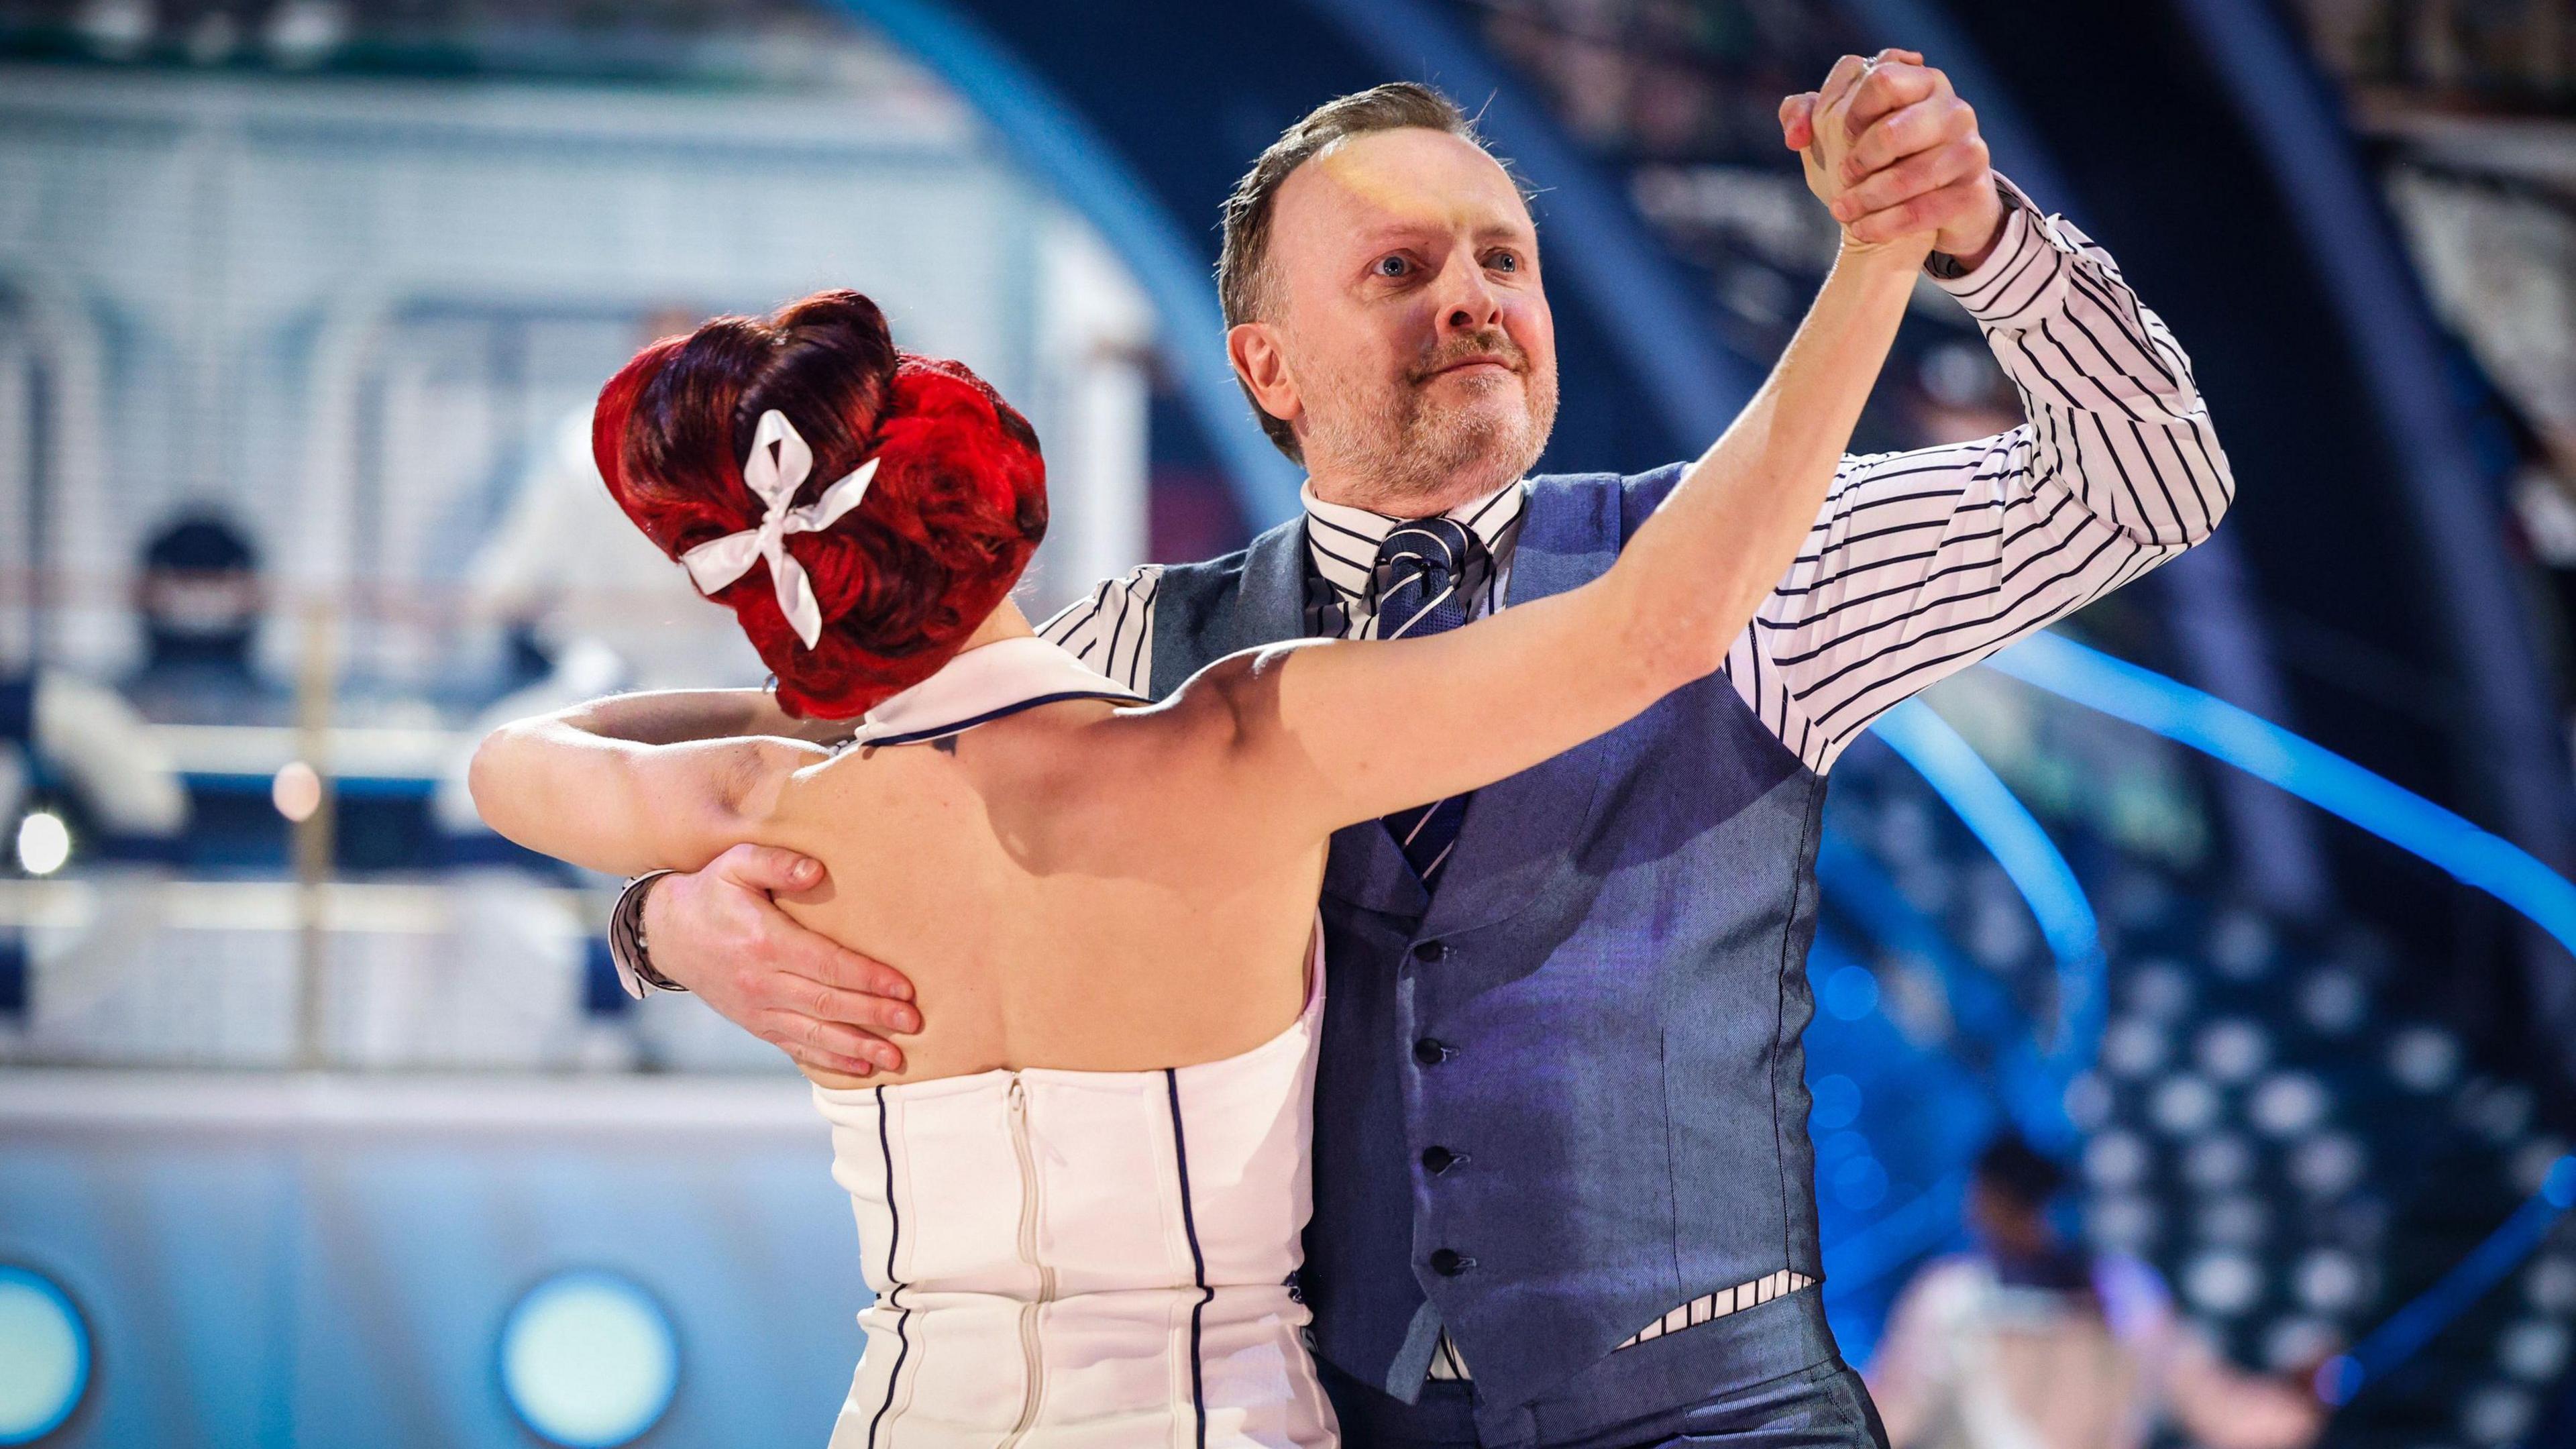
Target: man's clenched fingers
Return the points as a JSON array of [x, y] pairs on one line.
[[812, 1038], [827, 1063], [1919, 127], [857, 1008], [1915, 175], [1928, 211], [1892, 87], [768, 868], [851, 971]]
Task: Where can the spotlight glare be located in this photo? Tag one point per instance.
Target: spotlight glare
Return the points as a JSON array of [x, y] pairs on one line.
[[44, 843]]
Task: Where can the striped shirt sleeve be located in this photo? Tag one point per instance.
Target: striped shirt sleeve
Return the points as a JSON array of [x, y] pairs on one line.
[[1112, 628], [1922, 563]]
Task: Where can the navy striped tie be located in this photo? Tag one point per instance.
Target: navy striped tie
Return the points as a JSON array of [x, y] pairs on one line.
[[1426, 580]]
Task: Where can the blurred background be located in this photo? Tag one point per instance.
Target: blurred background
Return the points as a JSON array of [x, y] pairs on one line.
[[323, 1121]]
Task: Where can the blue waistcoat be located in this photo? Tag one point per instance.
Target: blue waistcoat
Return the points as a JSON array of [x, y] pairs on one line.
[[1599, 1011]]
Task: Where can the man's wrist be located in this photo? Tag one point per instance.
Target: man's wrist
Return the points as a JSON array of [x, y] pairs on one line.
[[627, 945], [1950, 266]]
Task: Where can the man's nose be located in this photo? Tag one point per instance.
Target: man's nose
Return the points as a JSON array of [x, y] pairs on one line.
[[1468, 302]]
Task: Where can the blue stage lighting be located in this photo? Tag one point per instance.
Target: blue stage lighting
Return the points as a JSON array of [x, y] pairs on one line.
[[2308, 770], [589, 1360], [1850, 993], [1836, 1103], [44, 1356], [1992, 813]]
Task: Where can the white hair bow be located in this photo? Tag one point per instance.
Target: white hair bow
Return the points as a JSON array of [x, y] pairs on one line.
[[776, 468]]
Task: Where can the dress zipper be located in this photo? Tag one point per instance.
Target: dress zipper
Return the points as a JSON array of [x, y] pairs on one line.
[[1029, 1255]]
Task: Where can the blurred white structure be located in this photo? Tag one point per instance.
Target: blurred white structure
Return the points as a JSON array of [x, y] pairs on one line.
[[355, 314], [365, 320]]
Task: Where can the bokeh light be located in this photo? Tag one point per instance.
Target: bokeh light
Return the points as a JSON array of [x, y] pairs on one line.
[[44, 843], [588, 1360], [44, 1356], [297, 791]]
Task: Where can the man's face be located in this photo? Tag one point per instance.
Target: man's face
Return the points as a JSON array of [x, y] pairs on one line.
[[1405, 335]]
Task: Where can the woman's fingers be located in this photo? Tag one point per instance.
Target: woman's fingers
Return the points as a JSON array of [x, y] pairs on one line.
[[1847, 73], [1797, 120]]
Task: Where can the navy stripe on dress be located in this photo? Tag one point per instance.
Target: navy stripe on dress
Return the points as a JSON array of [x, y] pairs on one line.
[[894, 1286], [987, 717], [1198, 1261]]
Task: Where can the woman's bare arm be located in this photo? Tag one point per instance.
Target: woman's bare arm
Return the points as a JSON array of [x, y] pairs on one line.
[[665, 780]]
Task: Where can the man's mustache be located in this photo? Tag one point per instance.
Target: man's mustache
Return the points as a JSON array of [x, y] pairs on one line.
[[1493, 344]]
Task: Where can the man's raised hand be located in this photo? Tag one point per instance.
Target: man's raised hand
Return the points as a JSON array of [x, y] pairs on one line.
[[717, 932], [1908, 157]]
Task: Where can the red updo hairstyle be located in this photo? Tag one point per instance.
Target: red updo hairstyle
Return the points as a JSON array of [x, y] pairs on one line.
[[957, 505]]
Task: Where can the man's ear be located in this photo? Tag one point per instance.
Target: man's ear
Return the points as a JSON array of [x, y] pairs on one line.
[[1253, 348]]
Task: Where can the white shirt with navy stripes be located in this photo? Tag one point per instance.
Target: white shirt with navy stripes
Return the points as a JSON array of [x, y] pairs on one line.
[[1921, 563]]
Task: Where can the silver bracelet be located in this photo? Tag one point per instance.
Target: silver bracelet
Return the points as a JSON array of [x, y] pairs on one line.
[[626, 940]]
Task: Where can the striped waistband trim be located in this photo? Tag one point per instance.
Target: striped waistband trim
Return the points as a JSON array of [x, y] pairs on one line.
[[1448, 1364]]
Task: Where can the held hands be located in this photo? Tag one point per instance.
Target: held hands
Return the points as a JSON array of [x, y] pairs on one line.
[[1895, 155], [717, 932]]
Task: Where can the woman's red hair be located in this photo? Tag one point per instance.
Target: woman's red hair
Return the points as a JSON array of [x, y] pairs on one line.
[[957, 505]]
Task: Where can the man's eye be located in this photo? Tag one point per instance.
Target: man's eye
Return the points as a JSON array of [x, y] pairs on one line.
[[1393, 266], [1504, 262]]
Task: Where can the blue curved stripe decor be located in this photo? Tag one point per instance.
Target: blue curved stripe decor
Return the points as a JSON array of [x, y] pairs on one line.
[[2470, 855], [1058, 146], [1992, 1029], [2407, 1331], [1992, 813], [2290, 112]]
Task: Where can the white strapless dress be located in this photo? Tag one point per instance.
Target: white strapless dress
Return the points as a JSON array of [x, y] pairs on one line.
[[1086, 1260]]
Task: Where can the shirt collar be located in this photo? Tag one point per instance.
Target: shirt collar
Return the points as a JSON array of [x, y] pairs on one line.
[[982, 684], [1343, 541]]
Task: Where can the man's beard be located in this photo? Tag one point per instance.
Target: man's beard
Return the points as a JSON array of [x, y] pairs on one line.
[[1394, 450]]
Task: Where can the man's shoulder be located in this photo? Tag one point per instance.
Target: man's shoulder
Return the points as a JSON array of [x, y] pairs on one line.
[[1634, 495], [1223, 566], [1219, 573], [1661, 477]]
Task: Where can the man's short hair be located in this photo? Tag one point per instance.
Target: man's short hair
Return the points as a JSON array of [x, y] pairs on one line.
[[1242, 266]]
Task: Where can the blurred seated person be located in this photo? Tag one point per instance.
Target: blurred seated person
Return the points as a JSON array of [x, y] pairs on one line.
[[2029, 1342], [588, 604], [580, 591], [61, 735], [601, 613], [200, 597]]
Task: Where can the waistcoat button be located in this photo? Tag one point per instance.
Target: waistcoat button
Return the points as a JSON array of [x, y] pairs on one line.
[[1430, 1051], [1449, 1262], [1441, 1159], [1429, 951]]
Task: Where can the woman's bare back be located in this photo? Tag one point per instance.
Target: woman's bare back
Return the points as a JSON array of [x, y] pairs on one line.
[[1056, 895]]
